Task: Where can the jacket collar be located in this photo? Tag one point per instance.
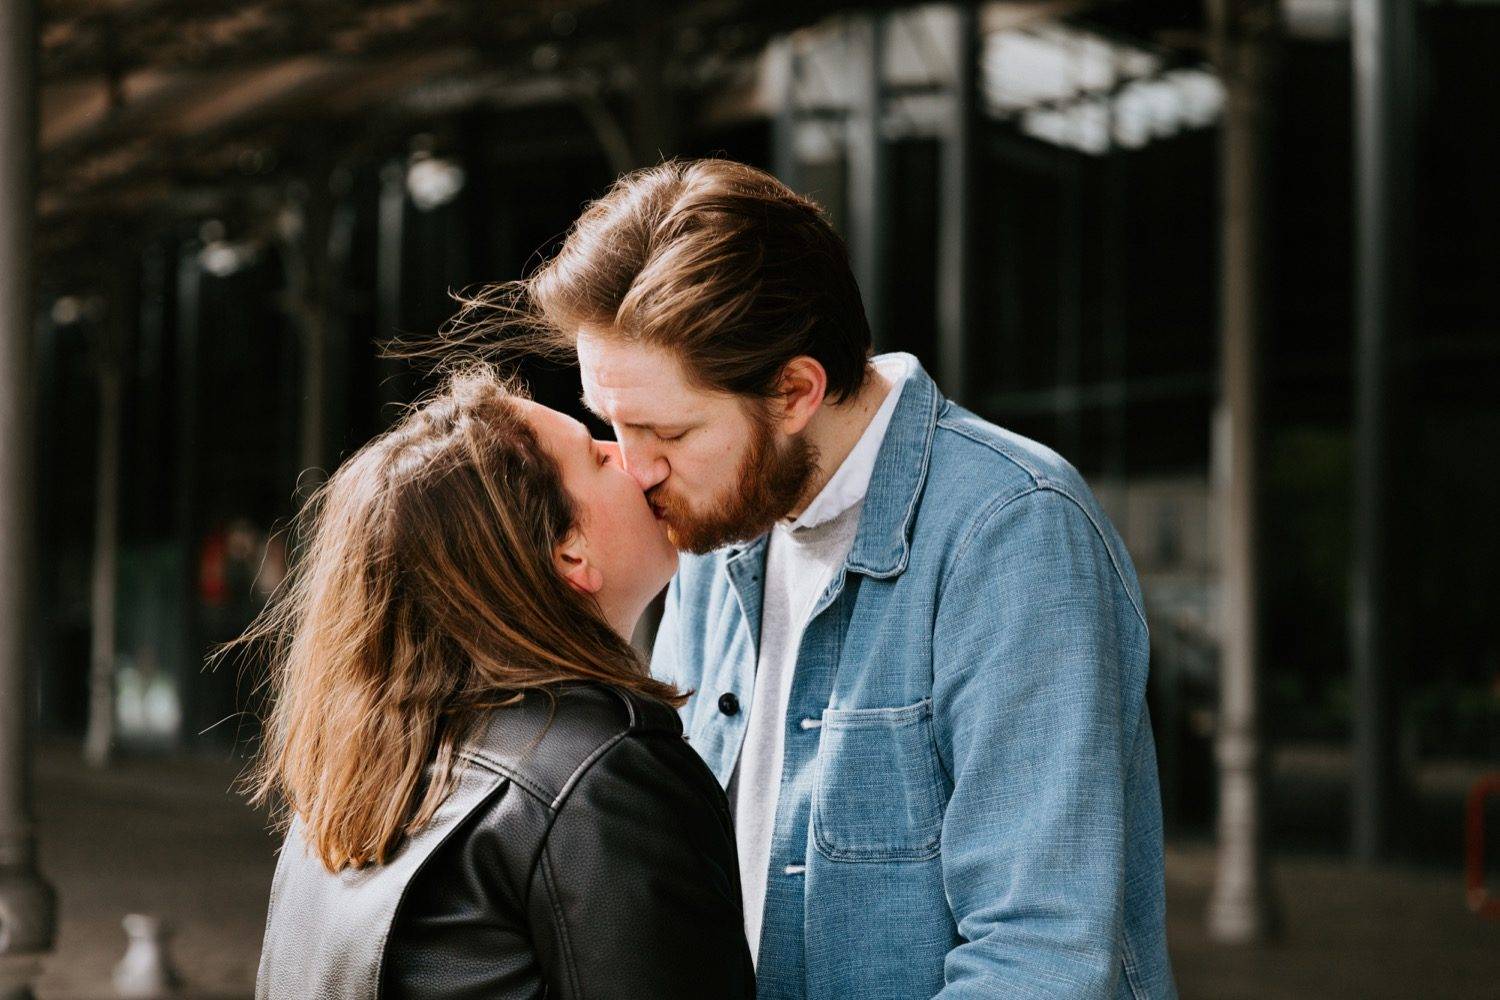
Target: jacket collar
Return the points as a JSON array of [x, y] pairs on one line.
[[882, 544]]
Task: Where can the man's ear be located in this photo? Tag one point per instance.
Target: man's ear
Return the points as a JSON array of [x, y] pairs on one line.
[[803, 385], [571, 558]]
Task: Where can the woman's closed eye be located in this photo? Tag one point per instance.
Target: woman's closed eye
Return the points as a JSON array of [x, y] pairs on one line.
[[605, 452]]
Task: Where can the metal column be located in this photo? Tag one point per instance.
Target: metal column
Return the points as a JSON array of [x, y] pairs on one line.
[[1239, 909], [27, 917], [655, 131], [786, 64], [1384, 44], [869, 173], [955, 242], [393, 373], [99, 739], [306, 220], [187, 651]]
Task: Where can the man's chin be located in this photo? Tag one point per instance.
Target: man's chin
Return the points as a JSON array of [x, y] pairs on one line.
[[688, 541], [701, 539]]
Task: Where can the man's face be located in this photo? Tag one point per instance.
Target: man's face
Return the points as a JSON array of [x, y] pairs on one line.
[[714, 466]]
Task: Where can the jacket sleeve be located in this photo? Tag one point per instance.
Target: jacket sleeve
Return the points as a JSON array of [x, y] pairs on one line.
[[665, 658], [636, 890], [1032, 693]]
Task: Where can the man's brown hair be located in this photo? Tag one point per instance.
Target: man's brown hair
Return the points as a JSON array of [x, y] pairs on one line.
[[715, 260]]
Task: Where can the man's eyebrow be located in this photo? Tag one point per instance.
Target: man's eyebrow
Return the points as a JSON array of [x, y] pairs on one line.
[[647, 425]]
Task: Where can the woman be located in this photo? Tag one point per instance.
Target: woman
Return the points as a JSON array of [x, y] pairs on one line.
[[487, 795]]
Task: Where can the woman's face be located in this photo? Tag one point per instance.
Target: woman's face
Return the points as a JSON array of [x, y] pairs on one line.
[[625, 545]]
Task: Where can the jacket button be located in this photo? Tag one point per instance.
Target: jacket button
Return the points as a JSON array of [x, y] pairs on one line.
[[729, 704]]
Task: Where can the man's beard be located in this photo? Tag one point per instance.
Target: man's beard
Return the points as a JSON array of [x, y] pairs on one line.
[[768, 485]]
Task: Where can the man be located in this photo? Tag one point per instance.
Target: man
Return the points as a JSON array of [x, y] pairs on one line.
[[917, 644]]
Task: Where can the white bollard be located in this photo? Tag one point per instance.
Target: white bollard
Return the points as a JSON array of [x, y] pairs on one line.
[[145, 973]]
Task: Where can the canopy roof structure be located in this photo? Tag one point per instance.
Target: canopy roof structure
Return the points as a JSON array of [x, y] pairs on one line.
[[185, 105], [143, 100]]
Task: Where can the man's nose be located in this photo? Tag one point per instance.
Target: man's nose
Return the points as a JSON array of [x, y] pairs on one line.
[[647, 466]]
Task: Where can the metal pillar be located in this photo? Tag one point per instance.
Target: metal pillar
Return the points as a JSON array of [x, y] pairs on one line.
[[1384, 44], [869, 173], [1069, 303], [389, 244], [655, 131], [955, 242], [100, 737], [305, 238], [1239, 909], [786, 64], [27, 906], [188, 654], [1114, 318]]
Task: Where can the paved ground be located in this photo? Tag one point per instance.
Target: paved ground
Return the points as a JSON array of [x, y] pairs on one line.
[[170, 838]]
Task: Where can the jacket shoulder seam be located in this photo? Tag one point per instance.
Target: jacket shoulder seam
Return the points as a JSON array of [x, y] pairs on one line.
[[989, 513], [587, 763], [1037, 476], [550, 797], [508, 771]]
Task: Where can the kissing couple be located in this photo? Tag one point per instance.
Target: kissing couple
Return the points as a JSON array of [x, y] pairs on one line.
[[892, 740]]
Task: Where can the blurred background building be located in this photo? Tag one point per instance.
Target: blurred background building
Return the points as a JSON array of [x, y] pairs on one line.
[[1235, 260]]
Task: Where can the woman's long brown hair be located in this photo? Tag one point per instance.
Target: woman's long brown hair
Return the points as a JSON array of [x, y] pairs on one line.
[[423, 594]]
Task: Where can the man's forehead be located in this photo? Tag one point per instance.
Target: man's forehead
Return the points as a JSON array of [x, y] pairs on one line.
[[640, 377], [614, 363]]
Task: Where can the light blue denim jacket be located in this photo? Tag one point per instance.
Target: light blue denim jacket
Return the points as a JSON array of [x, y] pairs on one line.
[[969, 804]]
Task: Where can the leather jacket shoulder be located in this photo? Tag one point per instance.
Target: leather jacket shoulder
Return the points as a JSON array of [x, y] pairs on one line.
[[587, 852]]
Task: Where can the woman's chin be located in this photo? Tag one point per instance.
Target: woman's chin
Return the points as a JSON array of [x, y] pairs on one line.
[[670, 562]]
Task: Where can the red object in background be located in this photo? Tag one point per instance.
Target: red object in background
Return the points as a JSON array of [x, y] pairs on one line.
[[213, 558], [1481, 901]]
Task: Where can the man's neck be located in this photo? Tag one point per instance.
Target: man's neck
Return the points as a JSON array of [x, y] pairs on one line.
[[836, 429]]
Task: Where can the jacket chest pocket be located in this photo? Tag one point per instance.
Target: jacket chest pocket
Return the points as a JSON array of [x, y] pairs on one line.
[[879, 792]]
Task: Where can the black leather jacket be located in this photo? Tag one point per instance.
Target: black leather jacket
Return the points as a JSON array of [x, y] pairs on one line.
[[592, 857]]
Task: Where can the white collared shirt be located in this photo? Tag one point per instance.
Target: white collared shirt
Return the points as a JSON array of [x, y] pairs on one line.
[[851, 481], [802, 556]]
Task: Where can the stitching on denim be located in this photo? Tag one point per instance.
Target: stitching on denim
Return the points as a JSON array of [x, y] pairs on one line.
[[985, 516], [865, 719], [854, 855], [876, 855], [911, 506], [1109, 549], [983, 521], [995, 446], [1131, 966], [871, 718]]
